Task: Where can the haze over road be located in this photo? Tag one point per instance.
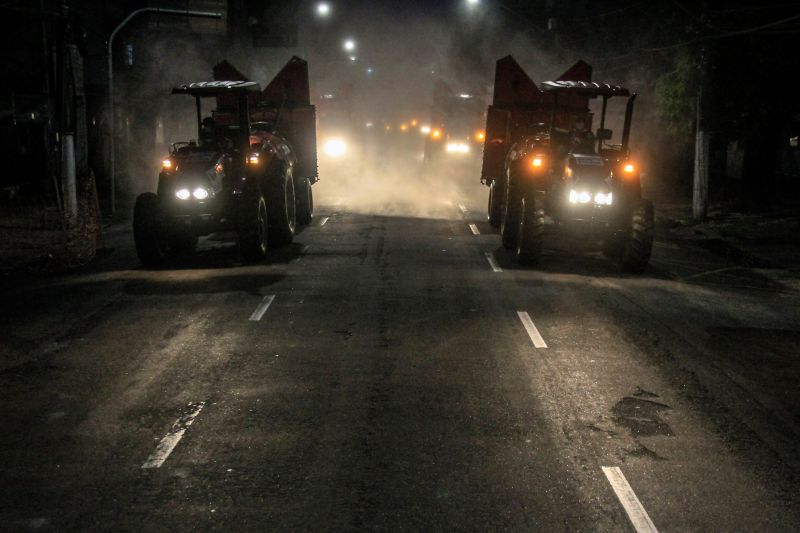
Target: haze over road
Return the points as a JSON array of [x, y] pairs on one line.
[[399, 373]]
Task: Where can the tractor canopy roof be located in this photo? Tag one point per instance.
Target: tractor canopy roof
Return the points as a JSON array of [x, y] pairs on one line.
[[584, 88], [217, 88]]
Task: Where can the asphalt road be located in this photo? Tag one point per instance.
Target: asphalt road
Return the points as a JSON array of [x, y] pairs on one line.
[[400, 373]]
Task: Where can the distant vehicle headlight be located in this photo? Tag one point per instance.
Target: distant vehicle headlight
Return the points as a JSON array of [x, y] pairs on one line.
[[334, 147], [200, 193], [183, 194], [457, 148]]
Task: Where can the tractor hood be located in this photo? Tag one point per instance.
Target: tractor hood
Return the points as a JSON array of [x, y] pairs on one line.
[[587, 169]]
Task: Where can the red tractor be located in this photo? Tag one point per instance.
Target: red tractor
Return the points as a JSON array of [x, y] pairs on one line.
[[250, 170], [548, 173]]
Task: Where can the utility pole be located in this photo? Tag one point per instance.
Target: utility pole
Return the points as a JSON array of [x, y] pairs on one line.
[[158, 10]]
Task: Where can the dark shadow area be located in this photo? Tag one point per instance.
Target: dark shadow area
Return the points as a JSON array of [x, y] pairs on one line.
[[576, 260], [767, 357], [219, 251], [249, 283]]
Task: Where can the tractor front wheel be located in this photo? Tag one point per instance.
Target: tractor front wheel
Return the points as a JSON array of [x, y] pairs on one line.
[[496, 194], [530, 238], [282, 212], [638, 244], [305, 202], [511, 214], [148, 233], [252, 225]]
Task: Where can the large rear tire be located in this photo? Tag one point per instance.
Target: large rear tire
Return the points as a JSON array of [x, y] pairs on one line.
[[148, 232], [530, 240], [305, 202], [495, 209], [253, 226], [282, 212], [639, 242], [511, 214]]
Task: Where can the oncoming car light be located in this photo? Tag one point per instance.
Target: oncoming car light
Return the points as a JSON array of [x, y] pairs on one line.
[[252, 159], [537, 162], [334, 147], [166, 164], [200, 193], [183, 194], [629, 168], [457, 148]]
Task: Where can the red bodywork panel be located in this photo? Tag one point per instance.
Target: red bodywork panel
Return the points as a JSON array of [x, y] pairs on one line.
[[285, 102], [519, 104]]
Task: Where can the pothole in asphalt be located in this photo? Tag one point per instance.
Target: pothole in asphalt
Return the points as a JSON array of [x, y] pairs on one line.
[[642, 417]]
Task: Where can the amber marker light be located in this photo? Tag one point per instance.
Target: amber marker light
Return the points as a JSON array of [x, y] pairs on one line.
[[414, 123], [537, 162], [252, 160], [166, 164], [629, 168], [436, 134], [403, 127], [480, 136]]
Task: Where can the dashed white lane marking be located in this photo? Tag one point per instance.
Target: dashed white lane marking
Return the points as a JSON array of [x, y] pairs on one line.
[[323, 221], [462, 209], [168, 443], [474, 229], [262, 308], [533, 333], [303, 250], [633, 507], [493, 262]]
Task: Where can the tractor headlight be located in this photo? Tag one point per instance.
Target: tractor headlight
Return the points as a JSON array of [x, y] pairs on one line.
[[335, 147], [183, 194], [602, 198], [200, 193], [584, 197], [579, 197]]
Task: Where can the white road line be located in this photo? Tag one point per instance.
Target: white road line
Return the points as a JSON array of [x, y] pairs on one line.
[[462, 208], [474, 229], [303, 250], [262, 308], [174, 436], [533, 333], [633, 507], [323, 221], [493, 262]]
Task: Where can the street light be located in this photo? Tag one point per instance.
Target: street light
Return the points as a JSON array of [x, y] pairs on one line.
[[349, 45], [323, 9]]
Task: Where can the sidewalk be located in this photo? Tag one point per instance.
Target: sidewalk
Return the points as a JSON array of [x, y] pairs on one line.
[[768, 240]]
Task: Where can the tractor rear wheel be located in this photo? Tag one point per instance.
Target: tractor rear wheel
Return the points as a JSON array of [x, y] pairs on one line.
[[252, 225], [282, 212], [530, 238], [148, 233], [511, 214], [638, 244], [305, 202]]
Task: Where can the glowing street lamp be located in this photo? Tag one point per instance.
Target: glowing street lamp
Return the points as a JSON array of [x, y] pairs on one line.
[[349, 45], [323, 9]]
